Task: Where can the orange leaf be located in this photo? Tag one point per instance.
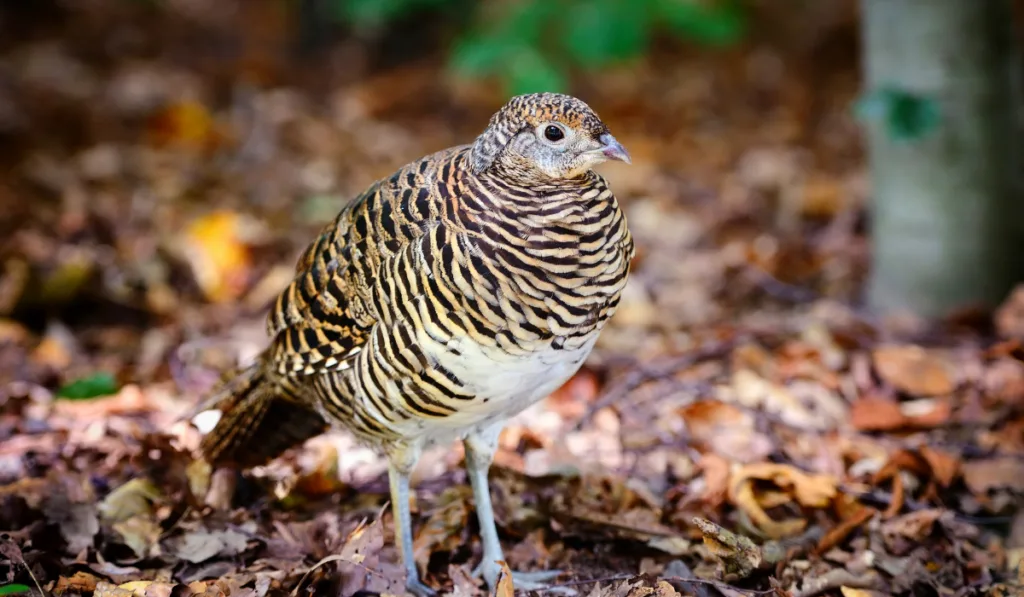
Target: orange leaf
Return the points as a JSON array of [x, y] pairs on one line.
[[874, 413]]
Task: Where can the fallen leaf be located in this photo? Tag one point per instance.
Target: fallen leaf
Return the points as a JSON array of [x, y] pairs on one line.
[[914, 370], [841, 531], [811, 491], [725, 429], [716, 479], [875, 413], [982, 476], [133, 498], [93, 386], [446, 521], [199, 546], [219, 257], [80, 582], [140, 533], [913, 525], [504, 588], [945, 466]]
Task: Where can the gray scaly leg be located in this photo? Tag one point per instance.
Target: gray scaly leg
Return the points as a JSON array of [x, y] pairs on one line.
[[398, 479], [480, 448]]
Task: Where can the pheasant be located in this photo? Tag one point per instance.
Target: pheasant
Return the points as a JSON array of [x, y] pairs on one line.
[[440, 302]]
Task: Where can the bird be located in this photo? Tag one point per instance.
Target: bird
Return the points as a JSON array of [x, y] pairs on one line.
[[440, 302]]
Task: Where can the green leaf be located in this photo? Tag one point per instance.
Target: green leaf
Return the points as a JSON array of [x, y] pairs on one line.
[[905, 115], [525, 24], [712, 23], [99, 384], [529, 72], [14, 589], [479, 55], [602, 31]]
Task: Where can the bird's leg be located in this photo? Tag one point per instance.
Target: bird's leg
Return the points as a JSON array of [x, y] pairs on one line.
[[398, 480], [480, 448]]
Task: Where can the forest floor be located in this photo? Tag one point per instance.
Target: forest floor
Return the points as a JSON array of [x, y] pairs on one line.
[[160, 178]]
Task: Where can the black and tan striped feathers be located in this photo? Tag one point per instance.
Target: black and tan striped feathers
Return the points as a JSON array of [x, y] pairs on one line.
[[456, 292]]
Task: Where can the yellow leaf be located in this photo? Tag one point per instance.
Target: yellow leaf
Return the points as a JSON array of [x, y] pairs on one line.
[[219, 258]]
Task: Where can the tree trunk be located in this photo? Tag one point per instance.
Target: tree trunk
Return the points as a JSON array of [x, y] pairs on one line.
[[947, 217]]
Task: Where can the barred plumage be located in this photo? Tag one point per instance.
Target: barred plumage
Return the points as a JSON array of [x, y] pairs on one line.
[[443, 300]]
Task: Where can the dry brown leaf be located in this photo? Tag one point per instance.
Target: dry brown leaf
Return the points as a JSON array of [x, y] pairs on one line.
[[945, 466], [840, 532], [445, 523], [914, 370], [80, 582], [914, 525], [716, 479], [725, 429], [811, 491], [505, 588], [982, 476], [875, 413]]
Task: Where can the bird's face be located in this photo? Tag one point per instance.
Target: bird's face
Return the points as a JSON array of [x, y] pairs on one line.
[[551, 137], [560, 150]]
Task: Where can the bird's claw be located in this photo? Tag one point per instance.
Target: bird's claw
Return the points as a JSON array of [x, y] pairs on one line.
[[537, 580]]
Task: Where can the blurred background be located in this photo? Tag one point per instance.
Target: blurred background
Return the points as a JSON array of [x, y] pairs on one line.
[[813, 181]]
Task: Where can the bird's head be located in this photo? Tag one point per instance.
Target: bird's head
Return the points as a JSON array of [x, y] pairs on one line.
[[545, 137]]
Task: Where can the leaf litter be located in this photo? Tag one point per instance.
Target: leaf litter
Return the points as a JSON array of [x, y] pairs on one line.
[[740, 429]]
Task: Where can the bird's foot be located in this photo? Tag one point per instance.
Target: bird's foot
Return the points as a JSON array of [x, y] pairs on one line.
[[522, 581], [417, 588]]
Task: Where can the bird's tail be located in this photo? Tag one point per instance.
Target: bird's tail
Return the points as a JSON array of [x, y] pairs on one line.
[[261, 417]]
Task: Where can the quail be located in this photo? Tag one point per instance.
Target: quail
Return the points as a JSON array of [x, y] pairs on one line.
[[439, 303]]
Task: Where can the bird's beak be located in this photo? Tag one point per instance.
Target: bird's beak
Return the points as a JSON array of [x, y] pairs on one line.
[[613, 150]]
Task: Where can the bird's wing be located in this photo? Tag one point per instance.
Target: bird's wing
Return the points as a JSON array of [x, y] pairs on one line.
[[323, 318]]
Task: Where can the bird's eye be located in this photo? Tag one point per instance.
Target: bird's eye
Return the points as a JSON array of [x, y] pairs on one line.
[[553, 133]]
